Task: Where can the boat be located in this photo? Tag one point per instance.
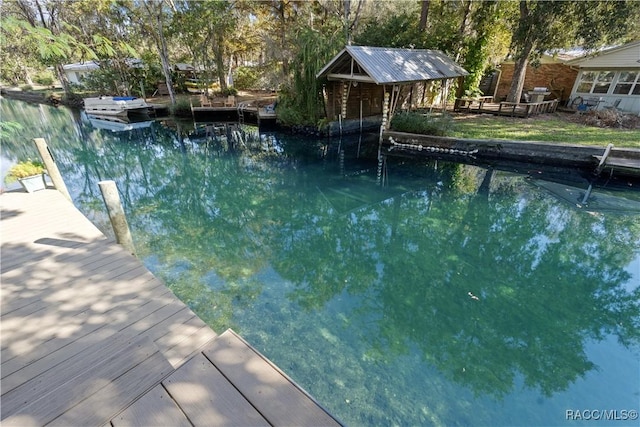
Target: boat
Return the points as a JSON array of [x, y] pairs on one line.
[[118, 106], [115, 124]]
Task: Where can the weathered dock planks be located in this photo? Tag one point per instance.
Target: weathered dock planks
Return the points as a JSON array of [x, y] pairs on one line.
[[90, 337]]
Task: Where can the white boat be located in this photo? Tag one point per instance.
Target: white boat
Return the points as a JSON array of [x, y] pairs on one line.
[[119, 106], [115, 124]]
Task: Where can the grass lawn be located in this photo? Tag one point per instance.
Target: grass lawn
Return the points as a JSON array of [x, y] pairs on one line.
[[557, 127]]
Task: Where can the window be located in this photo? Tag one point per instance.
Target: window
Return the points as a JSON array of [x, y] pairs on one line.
[[625, 82], [586, 81], [603, 81]]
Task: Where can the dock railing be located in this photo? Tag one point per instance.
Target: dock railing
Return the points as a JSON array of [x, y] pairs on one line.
[[526, 109]]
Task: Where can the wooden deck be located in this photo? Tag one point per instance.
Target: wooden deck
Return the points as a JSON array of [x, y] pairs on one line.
[[90, 337], [240, 113], [483, 105]]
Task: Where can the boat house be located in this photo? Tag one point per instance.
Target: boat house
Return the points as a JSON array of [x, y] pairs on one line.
[[364, 83]]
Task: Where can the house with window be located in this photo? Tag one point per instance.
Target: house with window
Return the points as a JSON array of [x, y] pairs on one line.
[[76, 73], [551, 72], [609, 79]]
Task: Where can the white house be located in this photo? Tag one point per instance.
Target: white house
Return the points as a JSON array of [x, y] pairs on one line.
[[78, 71], [609, 79]]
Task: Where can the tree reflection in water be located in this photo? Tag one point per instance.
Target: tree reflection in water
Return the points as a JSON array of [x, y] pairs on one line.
[[475, 272]]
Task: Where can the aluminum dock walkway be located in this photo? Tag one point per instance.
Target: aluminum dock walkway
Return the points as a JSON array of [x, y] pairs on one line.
[[91, 338]]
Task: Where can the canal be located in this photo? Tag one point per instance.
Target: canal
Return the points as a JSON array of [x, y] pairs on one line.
[[422, 293]]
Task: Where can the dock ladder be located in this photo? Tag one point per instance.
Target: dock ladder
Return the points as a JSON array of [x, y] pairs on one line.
[[241, 107]]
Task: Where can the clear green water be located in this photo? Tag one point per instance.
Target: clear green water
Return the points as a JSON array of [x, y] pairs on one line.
[[449, 296]]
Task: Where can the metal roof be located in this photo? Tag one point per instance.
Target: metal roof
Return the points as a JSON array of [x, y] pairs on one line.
[[391, 65], [81, 66]]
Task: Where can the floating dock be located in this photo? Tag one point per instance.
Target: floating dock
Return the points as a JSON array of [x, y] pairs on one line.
[[90, 337]]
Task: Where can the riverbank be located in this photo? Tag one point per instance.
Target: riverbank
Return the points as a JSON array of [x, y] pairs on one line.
[[54, 96], [626, 145], [505, 150], [596, 128]]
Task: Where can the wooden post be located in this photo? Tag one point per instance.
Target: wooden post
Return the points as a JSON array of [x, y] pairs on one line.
[[603, 160], [111, 198], [52, 168]]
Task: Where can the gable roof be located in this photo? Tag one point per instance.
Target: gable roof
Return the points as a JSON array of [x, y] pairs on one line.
[[384, 65], [81, 66], [627, 55]]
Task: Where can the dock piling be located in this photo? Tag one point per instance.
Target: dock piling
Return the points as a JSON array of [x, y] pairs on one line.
[[117, 217], [52, 168]]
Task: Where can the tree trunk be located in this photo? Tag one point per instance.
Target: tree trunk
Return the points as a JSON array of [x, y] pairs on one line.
[[347, 12], [424, 13], [463, 28], [465, 18], [522, 56], [218, 52], [63, 80], [164, 57], [354, 25], [519, 74]]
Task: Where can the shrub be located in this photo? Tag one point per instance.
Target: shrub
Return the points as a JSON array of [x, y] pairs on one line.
[[44, 78], [26, 88], [24, 169], [182, 107], [426, 124], [229, 91], [246, 78]]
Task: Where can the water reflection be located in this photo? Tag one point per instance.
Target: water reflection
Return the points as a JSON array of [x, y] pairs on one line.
[[451, 295]]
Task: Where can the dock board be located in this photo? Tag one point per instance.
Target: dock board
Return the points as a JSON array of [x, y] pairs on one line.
[[90, 337]]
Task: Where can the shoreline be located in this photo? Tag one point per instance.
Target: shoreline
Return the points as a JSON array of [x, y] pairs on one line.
[[539, 152]]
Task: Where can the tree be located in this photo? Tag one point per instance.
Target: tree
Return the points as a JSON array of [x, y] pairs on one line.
[[544, 25], [424, 14], [208, 27], [59, 32], [154, 19]]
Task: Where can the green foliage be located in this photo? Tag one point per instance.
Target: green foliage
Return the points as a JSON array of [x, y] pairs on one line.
[[9, 129], [229, 91], [425, 124], [24, 169], [206, 27], [302, 103], [394, 31], [288, 112], [562, 24], [181, 108], [44, 78], [26, 88], [476, 38], [246, 78]]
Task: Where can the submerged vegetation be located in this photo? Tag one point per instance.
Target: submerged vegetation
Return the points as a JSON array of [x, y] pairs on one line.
[[375, 285]]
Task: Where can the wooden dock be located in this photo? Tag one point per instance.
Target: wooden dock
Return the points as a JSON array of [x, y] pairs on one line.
[[90, 337], [240, 113]]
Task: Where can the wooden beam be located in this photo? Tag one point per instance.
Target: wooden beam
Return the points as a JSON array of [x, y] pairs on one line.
[[354, 78]]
